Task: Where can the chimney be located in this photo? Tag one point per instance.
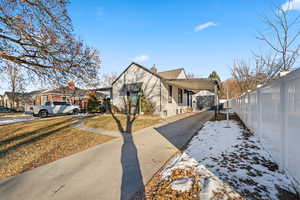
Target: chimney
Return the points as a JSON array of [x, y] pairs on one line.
[[71, 85], [153, 69]]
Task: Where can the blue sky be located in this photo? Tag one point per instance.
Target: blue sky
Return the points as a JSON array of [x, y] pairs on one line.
[[164, 32], [198, 35]]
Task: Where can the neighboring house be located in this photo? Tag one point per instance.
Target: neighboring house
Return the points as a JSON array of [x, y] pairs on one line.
[[21, 100], [29, 98], [16, 101], [69, 93], [1, 100], [170, 91]]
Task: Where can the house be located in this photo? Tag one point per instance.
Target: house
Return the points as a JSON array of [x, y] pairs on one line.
[[1, 100], [171, 92], [14, 100], [69, 93], [19, 101]]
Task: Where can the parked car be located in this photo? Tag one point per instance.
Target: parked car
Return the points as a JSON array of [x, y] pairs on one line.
[[55, 108], [4, 109]]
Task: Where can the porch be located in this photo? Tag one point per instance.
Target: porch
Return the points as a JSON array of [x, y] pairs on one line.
[[181, 93]]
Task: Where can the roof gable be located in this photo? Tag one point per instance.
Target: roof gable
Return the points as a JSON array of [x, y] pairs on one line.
[[10, 94], [171, 74], [140, 66]]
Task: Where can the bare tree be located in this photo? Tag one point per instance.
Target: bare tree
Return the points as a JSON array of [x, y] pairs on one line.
[[131, 108], [130, 89], [283, 40], [244, 77], [16, 81], [190, 75], [233, 89], [108, 79], [267, 67], [37, 35]]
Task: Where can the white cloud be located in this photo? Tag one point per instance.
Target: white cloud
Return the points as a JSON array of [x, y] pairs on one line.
[[204, 26], [291, 5], [141, 58]]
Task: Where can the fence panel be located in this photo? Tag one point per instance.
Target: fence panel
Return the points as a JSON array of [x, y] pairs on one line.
[[292, 139], [253, 111], [270, 124], [273, 113]]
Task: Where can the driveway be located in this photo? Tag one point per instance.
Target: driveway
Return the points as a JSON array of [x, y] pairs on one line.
[[113, 170]]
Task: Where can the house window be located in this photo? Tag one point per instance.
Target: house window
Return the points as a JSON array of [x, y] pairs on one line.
[[180, 96], [170, 94], [134, 98]]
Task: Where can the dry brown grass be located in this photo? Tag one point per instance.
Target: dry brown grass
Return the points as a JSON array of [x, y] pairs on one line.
[[27, 145], [108, 123]]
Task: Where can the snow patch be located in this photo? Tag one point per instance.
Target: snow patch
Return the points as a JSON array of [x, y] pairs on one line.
[[230, 111], [220, 157], [181, 161], [182, 184], [9, 121]]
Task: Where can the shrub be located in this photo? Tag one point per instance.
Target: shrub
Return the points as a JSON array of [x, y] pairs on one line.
[[93, 104], [147, 106]]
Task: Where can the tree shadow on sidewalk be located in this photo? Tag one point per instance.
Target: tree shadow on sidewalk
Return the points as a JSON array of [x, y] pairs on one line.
[[132, 179]]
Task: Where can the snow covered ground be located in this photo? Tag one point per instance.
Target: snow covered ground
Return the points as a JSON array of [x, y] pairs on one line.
[[224, 111], [18, 117], [222, 163], [9, 121]]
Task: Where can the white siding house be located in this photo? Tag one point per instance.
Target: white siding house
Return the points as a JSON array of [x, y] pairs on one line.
[[170, 91]]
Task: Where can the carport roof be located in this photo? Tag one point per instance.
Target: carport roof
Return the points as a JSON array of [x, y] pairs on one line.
[[194, 84]]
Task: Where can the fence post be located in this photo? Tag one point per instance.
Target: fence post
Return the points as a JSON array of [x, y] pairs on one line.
[[247, 96], [249, 121], [283, 119], [259, 114]]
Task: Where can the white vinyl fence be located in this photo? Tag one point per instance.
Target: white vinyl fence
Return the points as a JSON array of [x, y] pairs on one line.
[[273, 113]]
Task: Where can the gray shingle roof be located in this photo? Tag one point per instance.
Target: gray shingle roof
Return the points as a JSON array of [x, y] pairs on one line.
[[170, 74]]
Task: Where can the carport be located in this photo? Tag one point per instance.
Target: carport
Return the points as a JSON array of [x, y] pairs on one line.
[[194, 85]]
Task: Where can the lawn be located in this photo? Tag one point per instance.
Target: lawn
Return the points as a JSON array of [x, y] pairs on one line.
[[27, 145], [108, 123]]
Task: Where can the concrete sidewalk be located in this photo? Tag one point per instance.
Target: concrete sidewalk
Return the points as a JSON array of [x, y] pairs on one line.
[[113, 170]]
